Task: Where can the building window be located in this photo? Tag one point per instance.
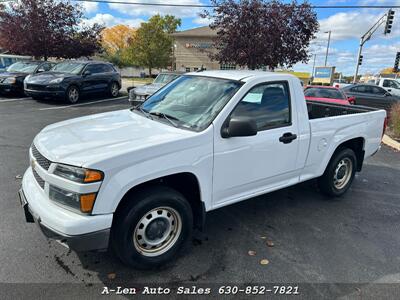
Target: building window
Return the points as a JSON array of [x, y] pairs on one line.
[[227, 67], [187, 69]]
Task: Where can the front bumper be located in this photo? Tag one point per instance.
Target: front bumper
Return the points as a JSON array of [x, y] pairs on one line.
[[78, 232], [9, 88], [55, 93]]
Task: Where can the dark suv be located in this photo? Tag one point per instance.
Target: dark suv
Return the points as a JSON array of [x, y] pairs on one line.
[[12, 80], [70, 80]]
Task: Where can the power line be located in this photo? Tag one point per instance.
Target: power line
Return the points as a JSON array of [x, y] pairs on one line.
[[213, 6]]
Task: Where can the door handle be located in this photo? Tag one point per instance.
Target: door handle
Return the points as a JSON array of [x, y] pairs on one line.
[[287, 137]]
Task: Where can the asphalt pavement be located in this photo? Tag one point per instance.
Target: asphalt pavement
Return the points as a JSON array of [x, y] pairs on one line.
[[348, 247]]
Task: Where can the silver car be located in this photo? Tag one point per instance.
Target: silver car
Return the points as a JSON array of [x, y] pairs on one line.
[[139, 94]]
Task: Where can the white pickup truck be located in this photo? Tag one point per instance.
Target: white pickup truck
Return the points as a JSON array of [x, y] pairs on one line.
[[390, 85], [139, 180]]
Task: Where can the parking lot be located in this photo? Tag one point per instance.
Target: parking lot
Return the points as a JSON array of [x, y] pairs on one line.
[[347, 247]]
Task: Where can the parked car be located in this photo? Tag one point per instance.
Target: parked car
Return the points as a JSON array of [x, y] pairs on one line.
[[70, 80], [12, 80], [371, 95], [139, 94], [138, 180], [390, 85], [340, 83], [328, 94]]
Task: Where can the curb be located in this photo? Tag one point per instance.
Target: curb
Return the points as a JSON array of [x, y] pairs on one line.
[[387, 140]]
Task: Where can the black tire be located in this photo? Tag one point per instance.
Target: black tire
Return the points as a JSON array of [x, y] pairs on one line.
[[72, 94], [126, 239], [337, 179], [113, 89]]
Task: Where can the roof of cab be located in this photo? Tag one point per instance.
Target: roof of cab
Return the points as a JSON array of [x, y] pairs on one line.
[[239, 75]]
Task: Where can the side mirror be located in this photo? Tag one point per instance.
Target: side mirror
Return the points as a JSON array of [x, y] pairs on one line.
[[86, 73], [351, 99], [239, 126], [40, 70], [387, 94]]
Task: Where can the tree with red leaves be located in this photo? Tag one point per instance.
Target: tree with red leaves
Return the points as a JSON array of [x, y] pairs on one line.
[[47, 28], [256, 33]]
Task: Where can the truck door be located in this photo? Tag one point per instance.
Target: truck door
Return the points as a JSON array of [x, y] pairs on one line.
[[252, 165]]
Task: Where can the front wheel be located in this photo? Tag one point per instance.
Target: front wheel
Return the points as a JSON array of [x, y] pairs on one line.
[[72, 95], [339, 173], [152, 228], [114, 89]]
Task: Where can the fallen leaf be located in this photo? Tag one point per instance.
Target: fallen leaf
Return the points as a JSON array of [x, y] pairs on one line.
[[252, 253], [270, 243], [264, 262], [18, 176], [111, 275]]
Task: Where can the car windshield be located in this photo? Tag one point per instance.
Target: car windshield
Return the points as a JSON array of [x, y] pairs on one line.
[[395, 84], [323, 93], [165, 78], [69, 67], [24, 67], [191, 101]]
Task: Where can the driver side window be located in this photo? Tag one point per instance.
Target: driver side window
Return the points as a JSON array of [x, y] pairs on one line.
[[268, 104]]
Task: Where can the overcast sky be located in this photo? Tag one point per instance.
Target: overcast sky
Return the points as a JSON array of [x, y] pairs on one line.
[[347, 26]]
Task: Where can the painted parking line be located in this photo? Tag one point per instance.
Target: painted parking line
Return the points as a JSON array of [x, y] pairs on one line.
[[14, 99], [86, 103]]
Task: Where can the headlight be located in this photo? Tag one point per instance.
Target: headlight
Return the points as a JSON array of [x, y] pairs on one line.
[[57, 80], [76, 174], [10, 80], [81, 202], [27, 77]]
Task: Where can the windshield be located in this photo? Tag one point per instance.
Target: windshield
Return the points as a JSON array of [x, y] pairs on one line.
[[192, 101], [323, 93], [165, 78], [24, 67], [69, 67], [395, 84]]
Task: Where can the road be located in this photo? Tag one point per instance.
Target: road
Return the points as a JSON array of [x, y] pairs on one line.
[[343, 247]]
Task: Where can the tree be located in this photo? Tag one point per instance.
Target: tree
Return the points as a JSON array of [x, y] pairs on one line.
[[255, 33], [116, 41], [47, 28], [153, 44], [388, 71]]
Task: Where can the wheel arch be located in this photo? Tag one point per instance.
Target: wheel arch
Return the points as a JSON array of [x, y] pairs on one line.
[[185, 182], [357, 145]]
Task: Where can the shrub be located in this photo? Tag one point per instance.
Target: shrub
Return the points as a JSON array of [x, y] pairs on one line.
[[394, 121]]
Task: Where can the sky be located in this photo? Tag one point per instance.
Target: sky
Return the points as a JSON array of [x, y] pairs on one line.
[[346, 25]]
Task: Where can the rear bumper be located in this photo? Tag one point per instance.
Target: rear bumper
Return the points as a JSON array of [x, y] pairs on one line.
[[75, 231], [10, 88]]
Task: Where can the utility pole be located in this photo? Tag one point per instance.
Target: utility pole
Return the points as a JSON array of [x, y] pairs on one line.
[[389, 21], [313, 67], [327, 47]]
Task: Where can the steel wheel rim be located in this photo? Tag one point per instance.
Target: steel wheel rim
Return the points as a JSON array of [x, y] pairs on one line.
[[114, 89], [343, 172], [73, 95], [167, 225]]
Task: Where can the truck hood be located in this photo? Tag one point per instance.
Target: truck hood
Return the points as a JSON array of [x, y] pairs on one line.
[[90, 139], [148, 89]]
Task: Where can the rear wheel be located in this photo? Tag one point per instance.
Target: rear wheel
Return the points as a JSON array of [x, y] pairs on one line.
[[152, 228], [72, 94], [339, 173], [114, 89]]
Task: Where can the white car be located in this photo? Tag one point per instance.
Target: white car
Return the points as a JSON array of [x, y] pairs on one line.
[[139, 180]]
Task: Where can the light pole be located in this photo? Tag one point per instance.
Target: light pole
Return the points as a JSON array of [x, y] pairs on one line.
[[313, 68], [327, 47]]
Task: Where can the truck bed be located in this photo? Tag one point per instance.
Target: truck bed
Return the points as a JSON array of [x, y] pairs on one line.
[[317, 110]]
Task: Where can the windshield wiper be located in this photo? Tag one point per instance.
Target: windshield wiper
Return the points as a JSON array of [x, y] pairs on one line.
[[144, 112], [169, 118]]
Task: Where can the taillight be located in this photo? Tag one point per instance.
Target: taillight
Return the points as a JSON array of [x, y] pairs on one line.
[[384, 126]]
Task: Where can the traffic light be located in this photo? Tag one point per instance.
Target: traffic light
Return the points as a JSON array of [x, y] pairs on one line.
[[389, 21], [396, 63], [360, 60]]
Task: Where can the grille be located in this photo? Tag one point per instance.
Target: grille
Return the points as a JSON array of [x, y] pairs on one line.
[[39, 179], [36, 87], [41, 160]]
